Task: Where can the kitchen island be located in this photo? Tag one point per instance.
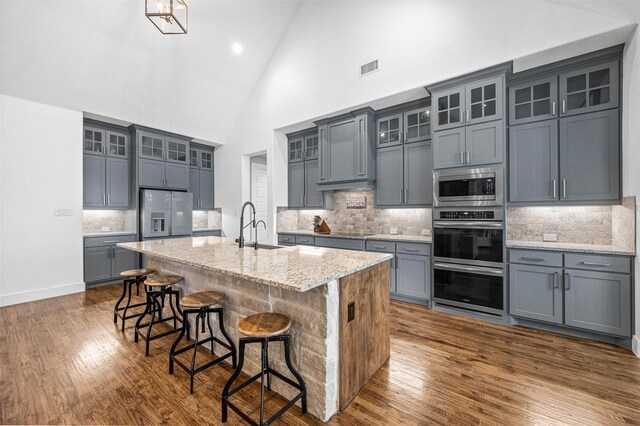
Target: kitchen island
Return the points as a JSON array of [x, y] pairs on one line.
[[338, 301]]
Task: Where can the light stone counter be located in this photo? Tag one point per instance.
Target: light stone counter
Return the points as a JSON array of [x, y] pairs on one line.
[[311, 285], [298, 268], [572, 247], [386, 237], [108, 234]]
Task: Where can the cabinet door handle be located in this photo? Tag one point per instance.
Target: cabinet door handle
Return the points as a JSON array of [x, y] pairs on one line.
[[380, 247], [401, 196], [564, 188], [468, 157], [468, 116], [461, 116], [411, 250], [553, 188], [104, 200], [109, 242], [108, 199], [595, 264], [406, 195], [564, 106], [553, 108], [567, 284], [533, 259], [461, 157], [556, 280], [305, 200]]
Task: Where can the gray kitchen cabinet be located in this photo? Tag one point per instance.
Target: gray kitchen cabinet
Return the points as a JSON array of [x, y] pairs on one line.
[[313, 197], [296, 149], [590, 156], [206, 187], [593, 88], [176, 150], [449, 105], [389, 131], [389, 176], [533, 162], [311, 147], [206, 159], [533, 101], [94, 140], [484, 100], [341, 155], [151, 173], [207, 233], [117, 144], [448, 148], [94, 180], [151, 146], [484, 143], [163, 159], [117, 182], [417, 125], [535, 292], [296, 185], [97, 264], [598, 301], [412, 276], [340, 243], [418, 174], [286, 240], [385, 247], [201, 177], [122, 260], [305, 240], [176, 176], [194, 186]]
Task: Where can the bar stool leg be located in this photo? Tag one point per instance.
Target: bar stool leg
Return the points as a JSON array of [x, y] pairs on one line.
[[115, 310], [210, 331], [156, 308], [126, 307], [262, 368], [234, 376], [228, 338], [266, 356], [173, 310], [287, 358], [195, 351], [185, 320], [146, 312]]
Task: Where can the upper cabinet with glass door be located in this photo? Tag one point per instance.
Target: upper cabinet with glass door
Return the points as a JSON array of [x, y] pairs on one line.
[[296, 149], [94, 140], [449, 105], [193, 158], [533, 101], [117, 144], [206, 160], [417, 125], [151, 146], [389, 131], [311, 147], [176, 150], [590, 89], [484, 100]]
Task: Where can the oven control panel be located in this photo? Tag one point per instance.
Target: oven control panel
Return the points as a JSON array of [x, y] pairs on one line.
[[473, 214]]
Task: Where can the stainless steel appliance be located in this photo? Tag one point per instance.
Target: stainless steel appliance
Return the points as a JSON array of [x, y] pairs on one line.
[[166, 213], [468, 187], [468, 249]]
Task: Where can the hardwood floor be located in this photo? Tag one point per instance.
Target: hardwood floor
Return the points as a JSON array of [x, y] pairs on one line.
[[62, 360]]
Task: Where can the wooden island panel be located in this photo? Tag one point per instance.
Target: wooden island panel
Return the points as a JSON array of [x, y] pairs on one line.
[[365, 340]]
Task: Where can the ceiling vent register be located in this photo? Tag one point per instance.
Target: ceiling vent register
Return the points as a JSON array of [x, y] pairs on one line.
[[368, 68]]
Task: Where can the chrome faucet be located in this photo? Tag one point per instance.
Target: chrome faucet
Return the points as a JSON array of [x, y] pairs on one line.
[[253, 222]]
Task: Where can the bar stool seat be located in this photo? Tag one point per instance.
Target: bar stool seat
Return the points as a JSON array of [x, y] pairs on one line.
[[202, 304], [158, 286], [131, 277], [265, 324], [264, 328], [201, 299]]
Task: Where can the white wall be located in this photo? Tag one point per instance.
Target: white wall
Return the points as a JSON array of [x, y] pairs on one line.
[[315, 70], [40, 169]]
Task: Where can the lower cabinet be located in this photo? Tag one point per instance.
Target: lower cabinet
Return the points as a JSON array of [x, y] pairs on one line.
[[593, 300], [208, 233], [412, 276], [104, 260]]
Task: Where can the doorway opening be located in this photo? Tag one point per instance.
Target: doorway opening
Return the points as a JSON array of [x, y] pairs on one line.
[[259, 194]]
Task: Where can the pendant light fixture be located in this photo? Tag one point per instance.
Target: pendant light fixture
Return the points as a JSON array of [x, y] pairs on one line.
[[169, 16]]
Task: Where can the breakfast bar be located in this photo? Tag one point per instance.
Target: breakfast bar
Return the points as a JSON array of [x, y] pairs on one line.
[[338, 301]]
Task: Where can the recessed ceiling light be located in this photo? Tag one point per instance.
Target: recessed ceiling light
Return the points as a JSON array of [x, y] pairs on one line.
[[237, 48]]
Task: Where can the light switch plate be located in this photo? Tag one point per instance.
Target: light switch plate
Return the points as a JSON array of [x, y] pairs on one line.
[[426, 232], [62, 212], [393, 231], [105, 229], [549, 237]]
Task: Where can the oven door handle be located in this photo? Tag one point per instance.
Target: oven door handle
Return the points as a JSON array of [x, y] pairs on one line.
[[473, 225], [469, 269]]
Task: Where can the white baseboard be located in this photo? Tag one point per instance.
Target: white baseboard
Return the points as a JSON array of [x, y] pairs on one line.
[[635, 345], [44, 293]]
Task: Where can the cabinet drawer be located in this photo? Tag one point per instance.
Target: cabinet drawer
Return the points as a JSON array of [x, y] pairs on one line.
[[535, 257], [340, 243], [207, 233], [594, 262], [413, 248], [305, 240], [286, 239], [108, 241], [383, 246]]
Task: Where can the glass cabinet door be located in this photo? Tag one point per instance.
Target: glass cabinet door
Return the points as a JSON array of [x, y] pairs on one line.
[[176, 151], [206, 160], [533, 101], [296, 150], [484, 100], [117, 144], [590, 89], [311, 147], [449, 108], [193, 158], [417, 125], [94, 140], [151, 146], [389, 131]]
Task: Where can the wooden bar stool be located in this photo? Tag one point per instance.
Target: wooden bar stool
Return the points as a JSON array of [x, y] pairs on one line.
[[264, 328], [131, 277], [201, 304], [157, 287]]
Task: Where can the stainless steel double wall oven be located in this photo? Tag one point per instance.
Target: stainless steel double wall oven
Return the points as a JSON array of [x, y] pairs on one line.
[[468, 239]]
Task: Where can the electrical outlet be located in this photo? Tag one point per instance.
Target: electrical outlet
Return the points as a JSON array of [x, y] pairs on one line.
[[62, 212], [426, 232], [393, 231], [351, 311], [105, 229], [549, 237]]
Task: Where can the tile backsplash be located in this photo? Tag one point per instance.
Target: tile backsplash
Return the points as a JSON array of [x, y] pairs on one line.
[[93, 221], [369, 219], [207, 219], [601, 225]]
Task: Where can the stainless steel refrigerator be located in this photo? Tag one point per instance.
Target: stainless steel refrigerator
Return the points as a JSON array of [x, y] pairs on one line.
[[166, 214]]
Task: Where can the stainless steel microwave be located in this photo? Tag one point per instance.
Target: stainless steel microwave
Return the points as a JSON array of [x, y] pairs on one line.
[[468, 187]]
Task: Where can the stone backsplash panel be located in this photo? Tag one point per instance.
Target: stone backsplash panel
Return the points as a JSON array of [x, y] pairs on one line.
[[207, 219], [369, 219], [94, 220]]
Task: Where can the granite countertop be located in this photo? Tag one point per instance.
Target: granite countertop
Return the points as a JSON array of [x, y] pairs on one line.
[[295, 268], [578, 248], [206, 229], [108, 234], [386, 237]]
